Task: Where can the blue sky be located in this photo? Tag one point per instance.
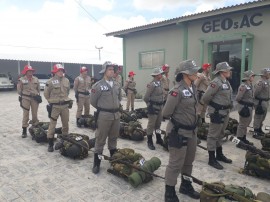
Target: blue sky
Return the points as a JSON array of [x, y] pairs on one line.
[[61, 29]]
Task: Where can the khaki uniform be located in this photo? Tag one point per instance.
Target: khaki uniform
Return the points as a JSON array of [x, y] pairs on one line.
[[261, 91], [82, 87], [202, 83], [56, 92], [106, 100], [154, 101], [165, 81], [129, 87], [181, 107], [27, 89], [244, 97], [118, 79], [219, 92]]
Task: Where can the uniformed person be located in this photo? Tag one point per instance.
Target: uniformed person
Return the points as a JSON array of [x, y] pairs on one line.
[[130, 89], [202, 82], [262, 96], [106, 97], [218, 97], [27, 88], [117, 74], [182, 130], [154, 100], [56, 92], [165, 81], [82, 86], [245, 101]]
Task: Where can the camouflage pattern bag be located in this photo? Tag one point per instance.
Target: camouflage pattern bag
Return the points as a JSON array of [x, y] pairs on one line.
[[39, 132], [141, 113], [256, 165], [88, 121], [128, 116], [265, 141], [225, 193], [132, 130], [123, 162], [232, 125], [74, 151], [203, 131]]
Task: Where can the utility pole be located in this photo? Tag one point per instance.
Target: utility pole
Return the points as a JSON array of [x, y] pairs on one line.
[[99, 48]]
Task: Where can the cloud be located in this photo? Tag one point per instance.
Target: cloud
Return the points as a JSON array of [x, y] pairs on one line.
[[105, 5]]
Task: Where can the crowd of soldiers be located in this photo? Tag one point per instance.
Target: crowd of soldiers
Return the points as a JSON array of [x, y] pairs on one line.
[[185, 105]]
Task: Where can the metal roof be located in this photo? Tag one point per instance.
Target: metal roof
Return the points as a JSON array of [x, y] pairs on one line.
[[196, 16]]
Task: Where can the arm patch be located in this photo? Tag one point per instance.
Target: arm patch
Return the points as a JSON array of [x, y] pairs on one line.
[[173, 93], [93, 91], [213, 85]]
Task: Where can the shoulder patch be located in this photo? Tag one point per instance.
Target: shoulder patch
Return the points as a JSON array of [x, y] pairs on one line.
[[242, 88], [213, 85], [148, 85], [93, 91], [173, 93]]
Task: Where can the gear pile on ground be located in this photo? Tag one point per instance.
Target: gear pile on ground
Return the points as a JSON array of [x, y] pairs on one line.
[[128, 164], [128, 116], [265, 141], [39, 131], [70, 145], [87, 121], [141, 113], [256, 165], [132, 131]]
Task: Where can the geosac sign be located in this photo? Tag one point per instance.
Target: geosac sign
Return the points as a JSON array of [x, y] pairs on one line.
[[228, 23]]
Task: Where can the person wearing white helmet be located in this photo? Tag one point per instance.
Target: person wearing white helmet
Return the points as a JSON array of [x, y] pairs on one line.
[[82, 86], [56, 93]]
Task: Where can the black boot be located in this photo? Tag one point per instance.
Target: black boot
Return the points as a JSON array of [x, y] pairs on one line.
[[50, 147], [159, 139], [261, 131], [24, 132], [150, 142], [203, 120], [112, 151], [78, 122], [96, 165], [246, 141], [257, 134], [213, 162], [220, 156], [170, 195], [132, 109], [187, 189]]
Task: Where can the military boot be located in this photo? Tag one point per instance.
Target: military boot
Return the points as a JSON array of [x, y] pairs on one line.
[[150, 142], [257, 134], [244, 140], [220, 156], [159, 139], [78, 123], [112, 151], [203, 120], [187, 189], [24, 132], [50, 147], [261, 131], [96, 165], [170, 195], [132, 109], [213, 162]]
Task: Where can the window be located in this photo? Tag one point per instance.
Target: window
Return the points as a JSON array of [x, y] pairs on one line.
[[152, 59]]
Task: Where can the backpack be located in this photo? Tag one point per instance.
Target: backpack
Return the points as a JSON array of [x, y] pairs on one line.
[[265, 141], [39, 132], [256, 165], [225, 193], [132, 130]]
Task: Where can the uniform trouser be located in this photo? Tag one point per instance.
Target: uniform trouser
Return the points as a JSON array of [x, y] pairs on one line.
[[130, 100], [83, 102], [202, 110], [243, 124], [180, 161], [216, 133], [258, 119], [33, 105], [106, 128], [154, 122], [57, 111]]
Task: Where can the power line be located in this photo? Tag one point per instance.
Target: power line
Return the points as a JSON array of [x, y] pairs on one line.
[[91, 16]]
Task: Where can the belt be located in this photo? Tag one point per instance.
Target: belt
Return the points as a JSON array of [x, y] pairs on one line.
[[28, 95], [262, 99], [108, 110], [218, 106], [156, 103], [185, 127], [84, 93], [61, 103], [249, 104], [132, 89]]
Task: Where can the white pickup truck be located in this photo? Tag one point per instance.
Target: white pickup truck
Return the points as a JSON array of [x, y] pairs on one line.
[[5, 82]]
